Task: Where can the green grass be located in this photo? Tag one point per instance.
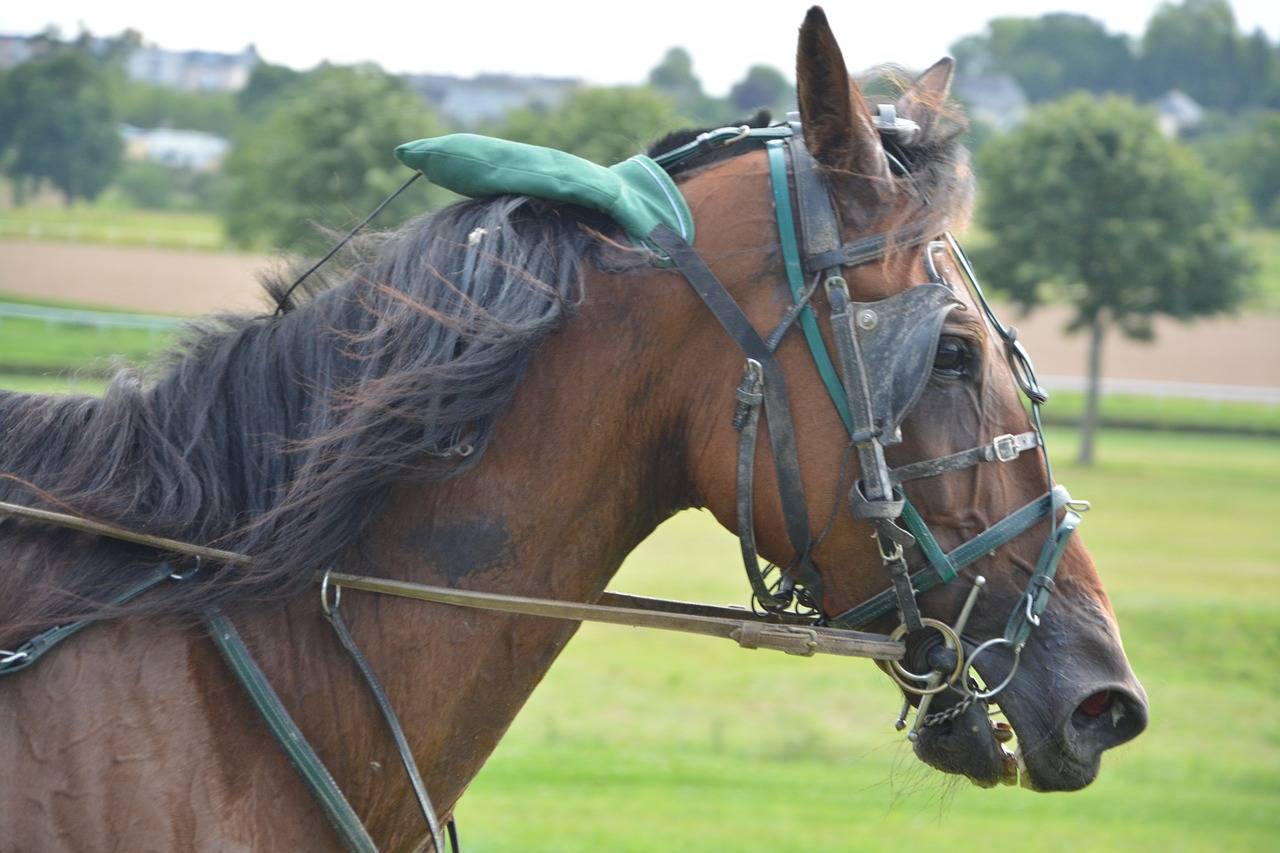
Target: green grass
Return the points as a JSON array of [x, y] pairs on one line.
[[72, 383], [638, 741], [98, 223], [1168, 412], [27, 343], [1265, 244]]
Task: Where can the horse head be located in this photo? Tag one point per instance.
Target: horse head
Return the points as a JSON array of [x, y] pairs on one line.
[[922, 458]]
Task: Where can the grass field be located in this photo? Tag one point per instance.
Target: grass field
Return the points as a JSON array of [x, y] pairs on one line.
[[97, 223], [88, 349], [639, 742]]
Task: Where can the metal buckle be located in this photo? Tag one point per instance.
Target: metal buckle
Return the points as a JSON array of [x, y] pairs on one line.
[[7, 657], [1005, 447]]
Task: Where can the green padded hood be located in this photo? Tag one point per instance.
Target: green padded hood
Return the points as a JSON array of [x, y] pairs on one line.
[[637, 193]]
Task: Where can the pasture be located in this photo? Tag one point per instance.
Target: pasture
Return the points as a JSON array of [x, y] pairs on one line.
[[640, 742]]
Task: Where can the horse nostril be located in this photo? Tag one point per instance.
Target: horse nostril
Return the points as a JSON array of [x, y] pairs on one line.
[[1097, 704], [1107, 718]]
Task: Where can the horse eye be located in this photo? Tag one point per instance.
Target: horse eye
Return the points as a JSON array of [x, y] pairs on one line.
[[953, 358]]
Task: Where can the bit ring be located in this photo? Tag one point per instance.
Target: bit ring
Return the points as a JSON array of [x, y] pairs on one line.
[[904, 677], [982, 647]]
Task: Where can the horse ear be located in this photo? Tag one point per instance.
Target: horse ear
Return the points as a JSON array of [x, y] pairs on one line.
[[837, 124], [927, 95]]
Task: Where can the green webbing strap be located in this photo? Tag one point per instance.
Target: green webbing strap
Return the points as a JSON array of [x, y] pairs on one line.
[[1040, 587], [304, 759], [941, 565], [32, 650], [777, 152]]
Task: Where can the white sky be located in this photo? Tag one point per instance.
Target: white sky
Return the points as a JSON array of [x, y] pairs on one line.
[[597, 42]]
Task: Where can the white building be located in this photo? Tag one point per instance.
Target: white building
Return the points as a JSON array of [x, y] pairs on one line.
[[180, 149]]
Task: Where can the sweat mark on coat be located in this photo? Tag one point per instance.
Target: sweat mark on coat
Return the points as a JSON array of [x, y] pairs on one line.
[[459, 549]]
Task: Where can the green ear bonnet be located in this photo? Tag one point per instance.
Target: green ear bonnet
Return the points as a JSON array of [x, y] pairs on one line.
[[637, 193]]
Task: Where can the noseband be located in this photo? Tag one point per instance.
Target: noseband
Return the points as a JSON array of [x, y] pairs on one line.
[[885, 351]]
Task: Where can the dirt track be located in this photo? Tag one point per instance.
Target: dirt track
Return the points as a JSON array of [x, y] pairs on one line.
[[1241, 350]]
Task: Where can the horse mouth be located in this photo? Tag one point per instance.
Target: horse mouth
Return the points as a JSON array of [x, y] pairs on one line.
[[971, 745], [1062, 757]]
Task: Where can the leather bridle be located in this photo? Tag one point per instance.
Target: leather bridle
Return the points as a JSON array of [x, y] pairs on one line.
[[885, 350]]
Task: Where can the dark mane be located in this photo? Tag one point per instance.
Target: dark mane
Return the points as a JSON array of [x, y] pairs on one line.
[[279, 436]]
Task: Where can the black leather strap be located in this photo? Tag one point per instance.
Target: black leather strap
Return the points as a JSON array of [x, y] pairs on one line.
[[782, 437], [393, 723], [1003, 448]]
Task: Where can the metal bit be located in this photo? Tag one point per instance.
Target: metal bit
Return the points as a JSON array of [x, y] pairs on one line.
[[935, 678]]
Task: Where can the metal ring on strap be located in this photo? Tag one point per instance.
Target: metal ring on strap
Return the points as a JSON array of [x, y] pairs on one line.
[[325, 604], [982, 647], [906, 677]]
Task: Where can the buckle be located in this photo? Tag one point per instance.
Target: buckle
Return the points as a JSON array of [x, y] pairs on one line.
[[1005, 448]]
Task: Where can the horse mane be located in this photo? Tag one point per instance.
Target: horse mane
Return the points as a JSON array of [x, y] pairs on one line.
[[280, 436]]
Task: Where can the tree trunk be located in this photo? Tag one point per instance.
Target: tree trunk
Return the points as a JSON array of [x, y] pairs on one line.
[[1089, 422]]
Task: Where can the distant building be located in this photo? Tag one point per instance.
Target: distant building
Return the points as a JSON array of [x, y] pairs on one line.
[[189, 70], [488, 97], [994, 99], [180, 149], [15, 50], [1177, 112], [193, 70]]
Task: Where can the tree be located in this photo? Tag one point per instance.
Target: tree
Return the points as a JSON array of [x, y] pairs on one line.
[[763, 86], [1088, 202], [603, 125], [326, 149], [266, 84], [60, 124], [1194, 47], [1249, 152], [1051, 55], [674, 77]]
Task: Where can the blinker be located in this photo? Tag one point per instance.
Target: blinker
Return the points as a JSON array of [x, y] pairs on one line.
[[900, 336]]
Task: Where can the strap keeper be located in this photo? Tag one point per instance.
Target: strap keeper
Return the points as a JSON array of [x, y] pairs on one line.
[[749, 395], [864, 507]]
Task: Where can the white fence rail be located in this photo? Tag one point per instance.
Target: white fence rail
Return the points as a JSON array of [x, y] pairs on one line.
[[82, 317]]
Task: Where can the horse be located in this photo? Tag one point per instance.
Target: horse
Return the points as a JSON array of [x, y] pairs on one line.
[[518, 419]]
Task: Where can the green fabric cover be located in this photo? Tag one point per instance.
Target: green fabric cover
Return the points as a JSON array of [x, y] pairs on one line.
[[637, 193]]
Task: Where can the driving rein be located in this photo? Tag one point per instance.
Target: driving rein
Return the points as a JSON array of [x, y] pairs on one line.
[[885, 352]]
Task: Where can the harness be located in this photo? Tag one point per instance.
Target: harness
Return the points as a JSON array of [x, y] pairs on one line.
[[884, 354]]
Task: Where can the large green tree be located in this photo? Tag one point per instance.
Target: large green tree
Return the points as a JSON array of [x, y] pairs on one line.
[[60, 123], [602, 125], [324, 154], [1089, 204]]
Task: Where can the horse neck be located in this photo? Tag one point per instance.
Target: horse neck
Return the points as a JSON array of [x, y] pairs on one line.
[[584, 464]]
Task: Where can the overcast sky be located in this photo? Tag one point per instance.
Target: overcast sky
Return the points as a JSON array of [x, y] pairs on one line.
[[597, 42]]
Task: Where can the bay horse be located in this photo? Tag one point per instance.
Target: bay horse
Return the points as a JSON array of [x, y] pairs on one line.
[[519, 428]]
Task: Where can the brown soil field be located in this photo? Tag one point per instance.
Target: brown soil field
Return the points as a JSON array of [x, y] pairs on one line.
[[1239, 350]]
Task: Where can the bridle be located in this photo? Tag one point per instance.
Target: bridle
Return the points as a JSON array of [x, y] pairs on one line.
[[884, 350]]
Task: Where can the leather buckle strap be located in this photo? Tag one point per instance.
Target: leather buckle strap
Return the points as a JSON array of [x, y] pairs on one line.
[[1002, 448]]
